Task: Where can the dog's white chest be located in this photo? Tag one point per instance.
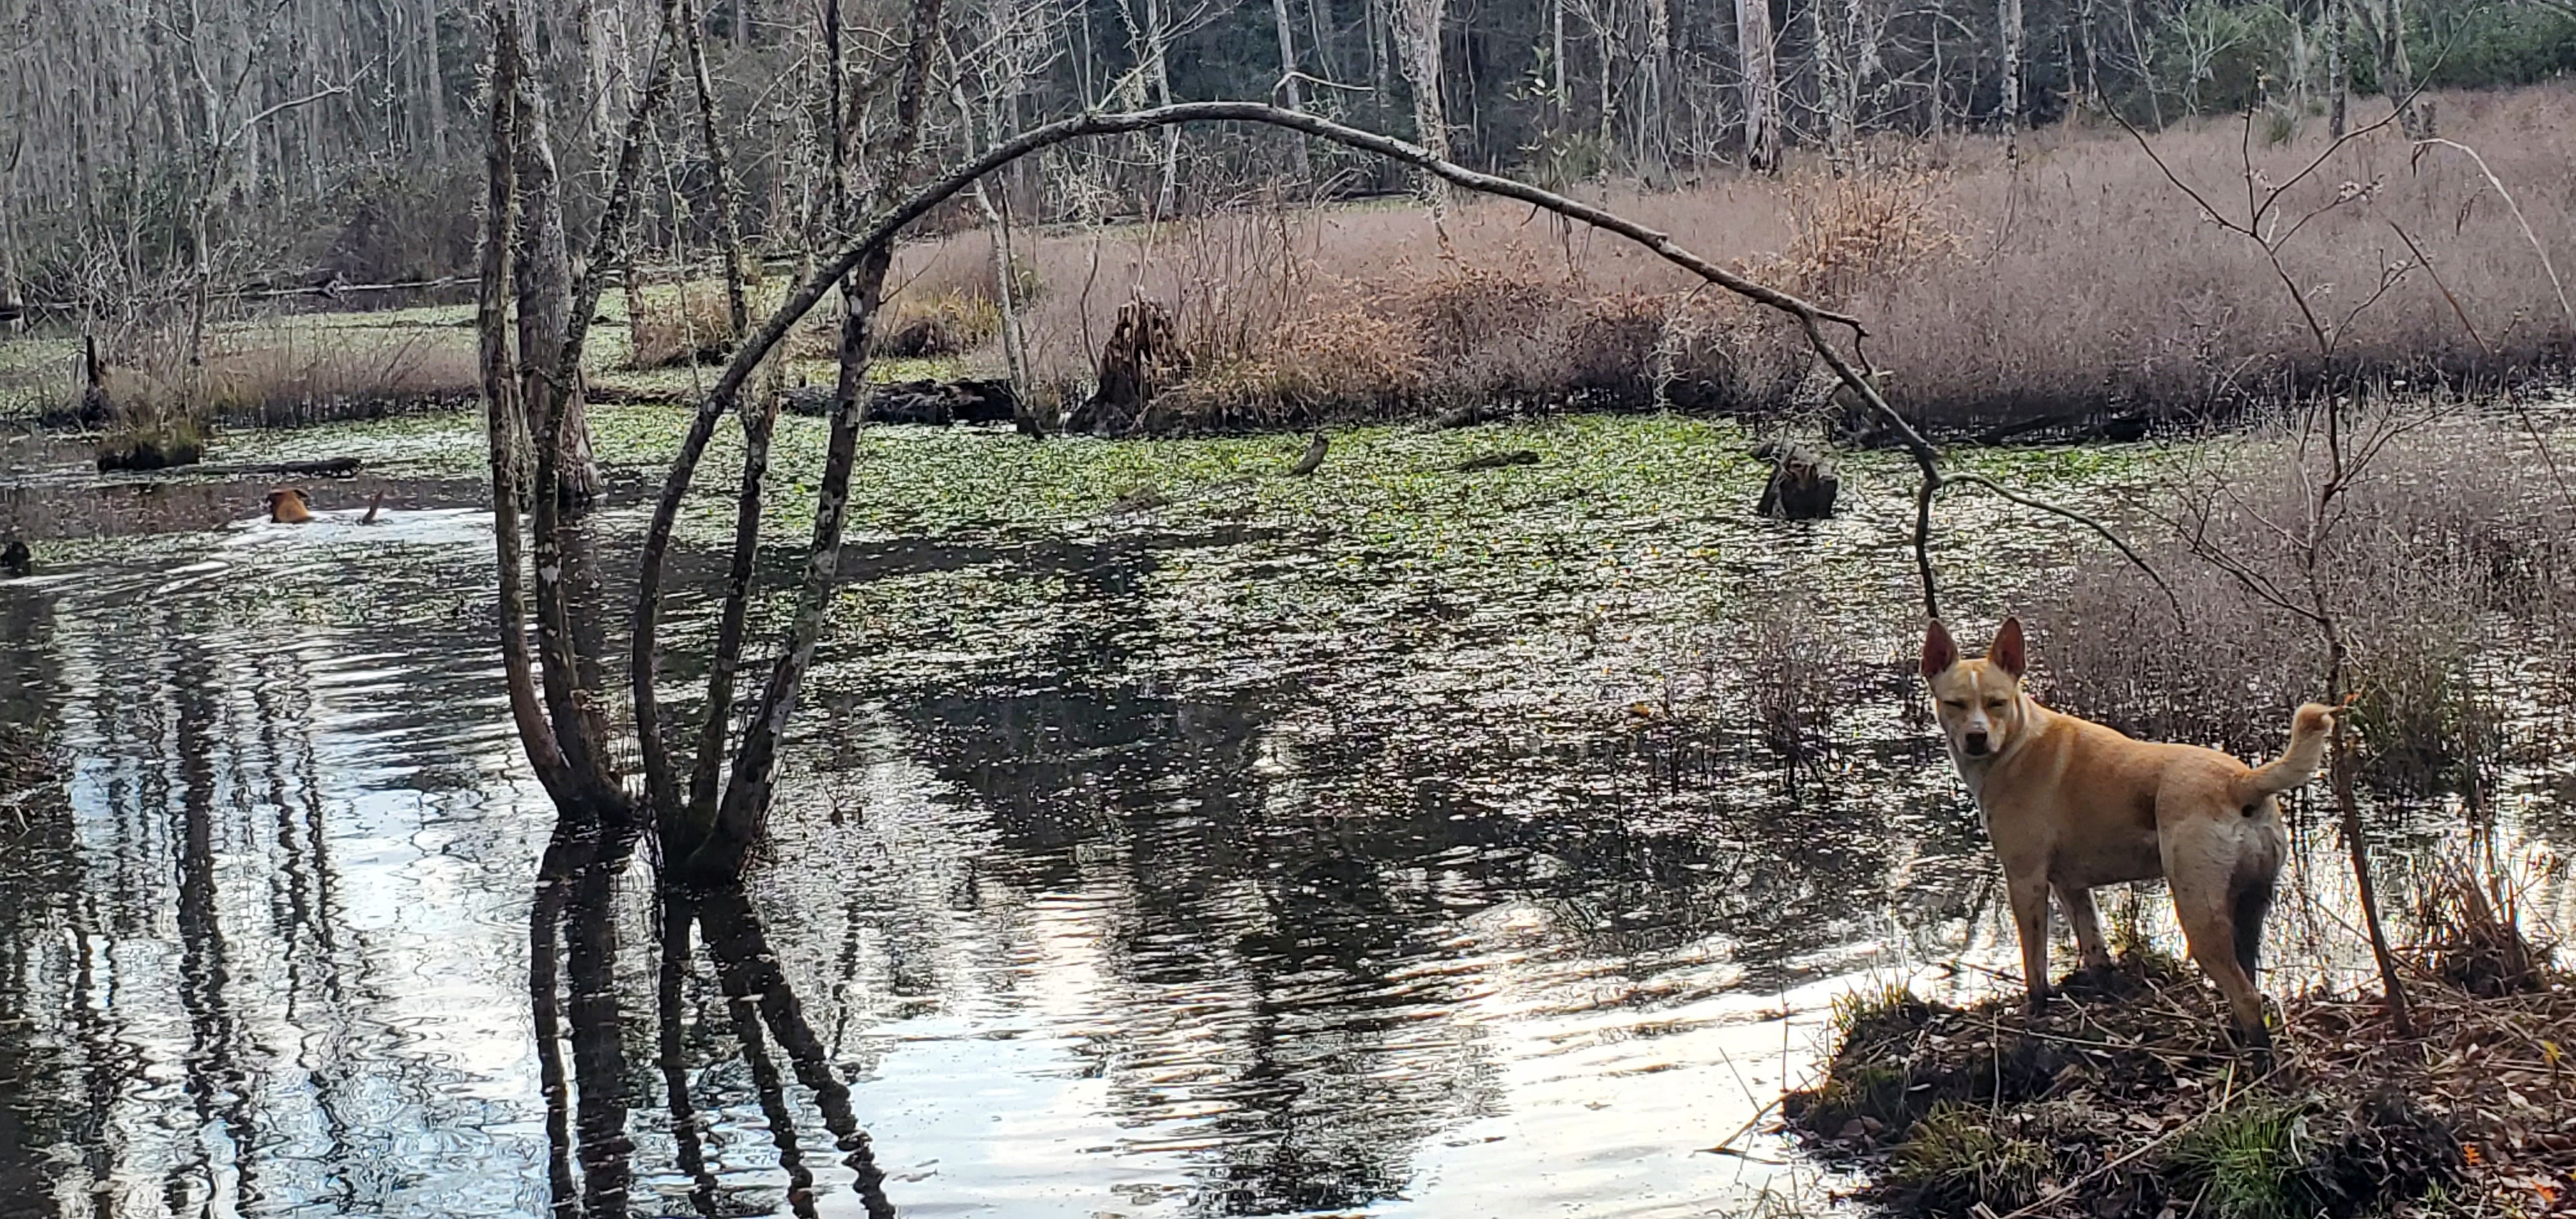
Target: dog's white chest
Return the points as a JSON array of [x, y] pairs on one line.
[[1974, 776]]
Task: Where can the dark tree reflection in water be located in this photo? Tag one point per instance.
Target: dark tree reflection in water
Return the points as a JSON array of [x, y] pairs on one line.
[[1145, 868]]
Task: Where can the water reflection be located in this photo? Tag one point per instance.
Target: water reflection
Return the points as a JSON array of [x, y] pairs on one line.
[[1138, 896]]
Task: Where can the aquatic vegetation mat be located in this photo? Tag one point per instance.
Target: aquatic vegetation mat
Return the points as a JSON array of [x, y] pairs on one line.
[[2125, 1097]]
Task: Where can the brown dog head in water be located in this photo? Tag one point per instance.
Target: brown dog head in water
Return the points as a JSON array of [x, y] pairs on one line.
[[289, 506]]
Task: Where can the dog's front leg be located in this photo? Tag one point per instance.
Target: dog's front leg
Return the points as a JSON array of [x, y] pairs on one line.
[[2030, 917], [2080, 915]]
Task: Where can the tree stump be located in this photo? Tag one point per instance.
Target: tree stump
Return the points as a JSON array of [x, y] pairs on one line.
[[1142, 359], [1802, 486], [95, 409], [1853, 421]]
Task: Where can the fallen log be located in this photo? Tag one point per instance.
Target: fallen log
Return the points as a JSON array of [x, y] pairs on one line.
[[930, 403], [1496, 461], [327, 467]]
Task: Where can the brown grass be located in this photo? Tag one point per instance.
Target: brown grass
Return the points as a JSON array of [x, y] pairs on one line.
[[2446, 574], [689, 324], [2080, 282], [285, 375]]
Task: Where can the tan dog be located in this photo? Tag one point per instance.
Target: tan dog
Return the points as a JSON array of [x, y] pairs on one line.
[[2071, 805], [289, 506]]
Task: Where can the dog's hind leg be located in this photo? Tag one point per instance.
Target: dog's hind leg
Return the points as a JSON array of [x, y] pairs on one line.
[[2252, 901], [2208, 913], [2030, 919], [2080, 915]]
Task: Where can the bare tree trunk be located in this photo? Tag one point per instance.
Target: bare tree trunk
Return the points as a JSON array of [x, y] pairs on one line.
[[2146, 70], [1833, 79], [1292, 90], [436, 84], [2338, 77], [505, 422], [533, 391], [1158, 70], [1562, 88], [1761, 85], [2092, 58], [1319, 24], [2008, 21], [715, 831], [1381, 33], [1418, 39], [1005, 273], [2396, 76], [1656, 73], [737, 263]]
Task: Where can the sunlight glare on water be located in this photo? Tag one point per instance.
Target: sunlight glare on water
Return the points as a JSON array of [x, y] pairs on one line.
[[1257, 862]]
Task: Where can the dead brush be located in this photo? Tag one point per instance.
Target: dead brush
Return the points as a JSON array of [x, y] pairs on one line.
[[685, 324], [1852, 233], [1464, 311], [1792, 685], [1524, 337], [281, 374], [948, 322], [1343, 368], [2430, 596], [2469, 917]]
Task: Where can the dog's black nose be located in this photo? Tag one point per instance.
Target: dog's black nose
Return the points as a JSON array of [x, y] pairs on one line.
[[1976, 743]]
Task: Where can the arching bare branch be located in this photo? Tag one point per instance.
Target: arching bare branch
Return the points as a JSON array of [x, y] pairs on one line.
[[874, 243]]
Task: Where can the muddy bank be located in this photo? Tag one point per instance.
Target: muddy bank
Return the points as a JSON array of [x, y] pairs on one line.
[[2124, 1097]]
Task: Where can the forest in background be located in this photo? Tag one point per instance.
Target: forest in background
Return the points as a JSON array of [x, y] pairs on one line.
[[153, 144]]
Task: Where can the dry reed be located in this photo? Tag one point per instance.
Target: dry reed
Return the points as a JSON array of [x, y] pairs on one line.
[[2074, 282]]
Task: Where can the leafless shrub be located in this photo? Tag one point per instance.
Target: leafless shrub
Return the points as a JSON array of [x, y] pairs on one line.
[[688, 324], [2448, 537], [2470, 926], [1792, 685]]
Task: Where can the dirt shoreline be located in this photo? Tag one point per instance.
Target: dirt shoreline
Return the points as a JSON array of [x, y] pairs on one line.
[[2125, 1097]]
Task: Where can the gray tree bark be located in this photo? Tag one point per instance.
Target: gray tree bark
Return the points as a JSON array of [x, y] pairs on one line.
[[1761, 85], [1418, 43], [1292, 90]]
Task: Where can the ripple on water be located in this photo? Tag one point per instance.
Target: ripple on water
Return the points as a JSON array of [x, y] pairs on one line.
[[1316, 863]]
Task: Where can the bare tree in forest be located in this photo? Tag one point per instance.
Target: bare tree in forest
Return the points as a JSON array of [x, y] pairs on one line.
[[1761, 85], [536, 427], [727, 196], [1290, 89], [1418, 39], [2008, 27], [1827, 22], [1151, 38], [2338, 76], [2387, 22]]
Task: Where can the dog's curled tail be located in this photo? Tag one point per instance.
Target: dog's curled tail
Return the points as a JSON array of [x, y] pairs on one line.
[[2301, 761]]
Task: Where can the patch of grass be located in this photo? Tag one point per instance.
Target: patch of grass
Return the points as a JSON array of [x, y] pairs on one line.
[[1956, 1159], [285, 373], [2126, 1093], [688, 324], [159, 442], [930, 325], [2248, 1161], [1868, 1010]]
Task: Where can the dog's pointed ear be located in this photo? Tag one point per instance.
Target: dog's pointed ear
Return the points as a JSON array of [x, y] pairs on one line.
[[1939, 652], [2007, 652]]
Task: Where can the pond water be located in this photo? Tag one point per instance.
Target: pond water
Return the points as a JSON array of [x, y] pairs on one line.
[[1395, 842]]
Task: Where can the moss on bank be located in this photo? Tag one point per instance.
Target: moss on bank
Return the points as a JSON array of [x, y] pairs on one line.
[[2125, 1098]]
